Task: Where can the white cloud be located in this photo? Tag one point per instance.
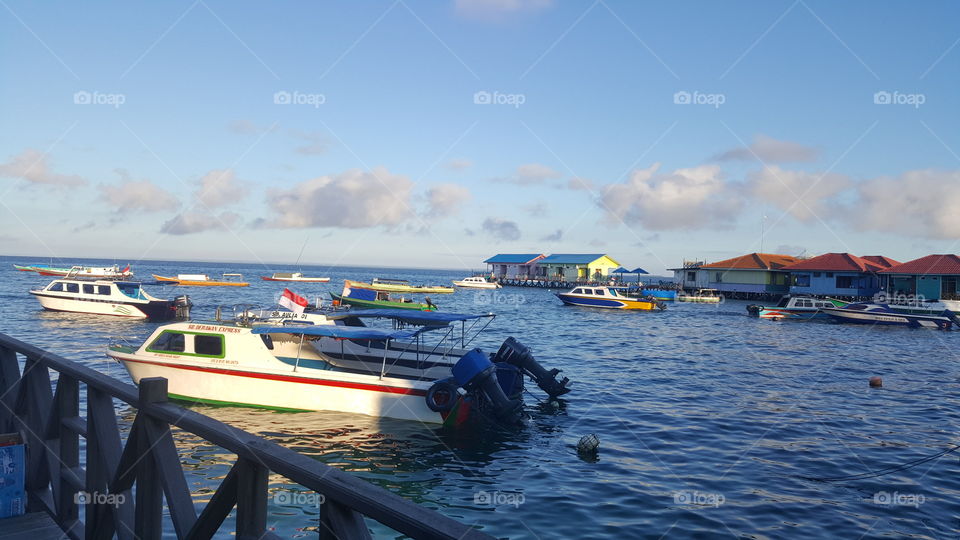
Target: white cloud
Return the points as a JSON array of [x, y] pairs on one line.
[[684, 199], [137, 195], [497, 9], [445, 199], [220, 187], [921, 203], [317, 143], [804, 195], [537, 209], [501, 229], [459, 164], [529, 174], [31, 165], [196, 221], [353, 199], [770, 150], [576, 183], [555, 236]]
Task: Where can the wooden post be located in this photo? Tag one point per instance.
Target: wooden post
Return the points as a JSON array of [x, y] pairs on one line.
[[148, 520], [251, 499]]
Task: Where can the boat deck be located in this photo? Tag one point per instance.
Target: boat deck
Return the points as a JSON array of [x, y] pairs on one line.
[[32, 526]]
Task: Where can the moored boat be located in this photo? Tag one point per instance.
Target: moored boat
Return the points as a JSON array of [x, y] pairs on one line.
[[294, 276], [891, 315], [400, 286], [203, 280], [667, 295], [116, 298], [341, 365], [363, 298], [796, 307], [609, 298], [89, 272], [702, 296], [477, 282]]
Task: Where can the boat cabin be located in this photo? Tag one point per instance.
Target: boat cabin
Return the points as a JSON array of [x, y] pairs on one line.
[[808, 302], [98, 289]]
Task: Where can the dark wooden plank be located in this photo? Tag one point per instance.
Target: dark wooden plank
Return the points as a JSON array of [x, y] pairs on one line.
[[339, 522], [102, 425], [148, 510], [9, 386], [167, 462], [32, 526], [217, 509], [251, 499]]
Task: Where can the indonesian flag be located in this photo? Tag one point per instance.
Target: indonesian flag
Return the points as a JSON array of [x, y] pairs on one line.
[[293, 301]]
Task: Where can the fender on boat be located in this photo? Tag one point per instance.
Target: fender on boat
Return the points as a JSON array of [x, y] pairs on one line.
[[515, 353]]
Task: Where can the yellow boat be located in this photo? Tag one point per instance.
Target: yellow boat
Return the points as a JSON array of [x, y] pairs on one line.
[[609, 298], [203, 280], [397, 286]]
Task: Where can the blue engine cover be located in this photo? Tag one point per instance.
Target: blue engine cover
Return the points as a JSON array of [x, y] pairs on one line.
[[470, 365], [510, 378]]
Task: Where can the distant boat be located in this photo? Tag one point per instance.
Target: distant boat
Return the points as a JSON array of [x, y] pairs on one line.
[[661, 294], [892, 315], [477, 282], [90, 272], [400, 286], [799, 307], [609, 298], [702, 296], [116, 298], [203, 280], [360, 297], [294, 276]]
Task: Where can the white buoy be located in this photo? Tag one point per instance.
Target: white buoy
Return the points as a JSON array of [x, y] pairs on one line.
[[588, 444]]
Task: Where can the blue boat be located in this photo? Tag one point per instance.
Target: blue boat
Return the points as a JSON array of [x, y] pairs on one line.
[[886, 314], [661, 294]]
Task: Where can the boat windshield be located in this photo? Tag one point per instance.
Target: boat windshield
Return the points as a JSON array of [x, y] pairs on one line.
[[132, 290], [783, 301]]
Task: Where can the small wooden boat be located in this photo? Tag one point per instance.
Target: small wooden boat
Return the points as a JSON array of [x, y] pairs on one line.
[[294, 276], [78, 271], [796, 307], [609, 298], [203, 280], [116, 298], [400, 286], [477, 282], [702, 296]]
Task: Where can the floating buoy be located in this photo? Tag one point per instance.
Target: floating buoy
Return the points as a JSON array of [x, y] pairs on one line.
[[876, 382], [589, 444]]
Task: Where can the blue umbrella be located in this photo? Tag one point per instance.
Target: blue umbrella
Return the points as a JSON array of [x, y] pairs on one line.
[[638, 270]]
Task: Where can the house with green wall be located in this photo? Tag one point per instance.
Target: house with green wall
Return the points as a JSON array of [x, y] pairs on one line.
[[934, 277], [577, 267]]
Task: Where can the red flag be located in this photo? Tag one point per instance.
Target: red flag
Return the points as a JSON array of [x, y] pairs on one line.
[[293, 301]]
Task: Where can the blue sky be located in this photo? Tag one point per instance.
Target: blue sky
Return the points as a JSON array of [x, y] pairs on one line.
[[163, 130]]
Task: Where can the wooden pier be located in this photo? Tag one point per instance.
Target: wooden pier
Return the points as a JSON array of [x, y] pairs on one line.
[[144, 472]]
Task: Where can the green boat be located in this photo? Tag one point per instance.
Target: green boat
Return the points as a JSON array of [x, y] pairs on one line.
[[386, 302]]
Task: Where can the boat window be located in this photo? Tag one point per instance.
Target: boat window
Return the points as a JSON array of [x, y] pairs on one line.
[[167, 342], [783, 302], [55, 286], [208, 345], [88, 289], [578, 291], [130, 289], [104, 290], [73, 287]]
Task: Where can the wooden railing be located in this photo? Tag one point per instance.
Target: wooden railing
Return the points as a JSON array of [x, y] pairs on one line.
[[127, 484]]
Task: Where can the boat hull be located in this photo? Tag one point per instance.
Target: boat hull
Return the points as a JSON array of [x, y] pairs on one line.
[[792, 313], [477, 285], [193, 283], [356, 302], [71, 305], [288, 391], [298, 280], [661, 294], [699, 299], [606, 303], [392, 287], [889, 319]]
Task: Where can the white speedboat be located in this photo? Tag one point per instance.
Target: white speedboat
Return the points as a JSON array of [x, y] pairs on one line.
[[702, 296], [893, 315], [477, 282], [294, 276], [341, 364], [117, 298]]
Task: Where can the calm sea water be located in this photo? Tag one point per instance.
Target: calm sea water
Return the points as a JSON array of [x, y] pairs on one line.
[[708, 420]]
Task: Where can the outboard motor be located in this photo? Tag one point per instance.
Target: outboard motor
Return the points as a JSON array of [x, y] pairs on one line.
[[516, 354], [753, 309], [182, 305], [475, 371]]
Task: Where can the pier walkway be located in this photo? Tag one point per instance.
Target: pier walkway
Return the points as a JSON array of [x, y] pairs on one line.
[[135, 487]]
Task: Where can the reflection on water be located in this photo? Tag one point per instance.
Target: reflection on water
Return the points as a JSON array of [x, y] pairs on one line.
[[690, 404]]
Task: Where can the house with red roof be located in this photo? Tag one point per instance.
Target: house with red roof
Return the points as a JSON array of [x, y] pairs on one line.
[[934, 277], [838, 274], [753, 273]]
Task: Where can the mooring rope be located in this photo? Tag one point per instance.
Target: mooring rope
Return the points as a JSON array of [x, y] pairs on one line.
[[885, 471]]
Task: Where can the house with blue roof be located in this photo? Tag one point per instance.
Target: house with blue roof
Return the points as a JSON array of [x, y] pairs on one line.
[[577, 266], [515, 266]]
